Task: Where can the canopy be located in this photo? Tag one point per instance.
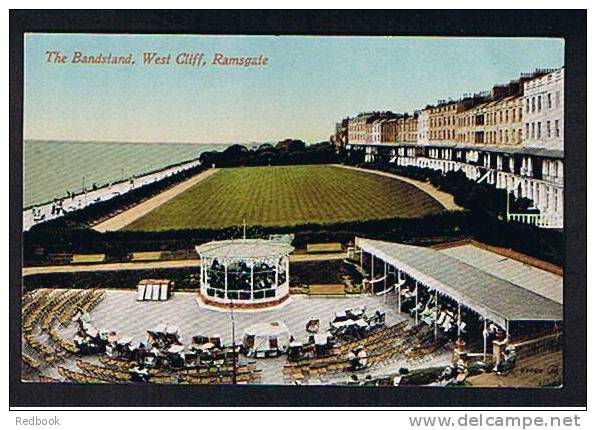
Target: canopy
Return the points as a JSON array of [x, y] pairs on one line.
[[492, 297], [243, 249]]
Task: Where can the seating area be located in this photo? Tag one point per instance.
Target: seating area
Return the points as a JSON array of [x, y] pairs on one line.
[[43, 311], [161, 359], [372, 349]]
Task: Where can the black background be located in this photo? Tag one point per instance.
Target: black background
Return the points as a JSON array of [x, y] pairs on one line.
[[544, 23]]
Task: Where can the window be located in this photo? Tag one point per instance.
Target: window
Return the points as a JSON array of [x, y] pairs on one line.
[[527, 105], [533, 104], [549, 100], [527, 130], [547, 128], [533, 129], [557, 131], [539, 103], [538, 130]]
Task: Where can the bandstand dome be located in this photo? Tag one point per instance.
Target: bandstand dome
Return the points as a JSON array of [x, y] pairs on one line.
[[242, 249], [244, 273]]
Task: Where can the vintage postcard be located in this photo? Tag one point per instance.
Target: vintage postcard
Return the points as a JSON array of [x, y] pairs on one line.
[[293, 210]]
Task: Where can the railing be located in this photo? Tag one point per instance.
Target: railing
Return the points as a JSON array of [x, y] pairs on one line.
[[539, 220]]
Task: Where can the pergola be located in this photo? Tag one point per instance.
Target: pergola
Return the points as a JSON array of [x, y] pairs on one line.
[[491, 297], [244, 273]]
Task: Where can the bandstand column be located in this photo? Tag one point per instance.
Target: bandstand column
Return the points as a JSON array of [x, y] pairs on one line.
[[252, 280], [276, 276]]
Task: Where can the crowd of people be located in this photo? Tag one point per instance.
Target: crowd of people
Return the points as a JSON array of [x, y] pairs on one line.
[[163, 348], [239, 279], [445, 315]]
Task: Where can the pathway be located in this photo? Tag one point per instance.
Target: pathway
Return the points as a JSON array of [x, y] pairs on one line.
[[128, 216], [442, 197], [169, 264]]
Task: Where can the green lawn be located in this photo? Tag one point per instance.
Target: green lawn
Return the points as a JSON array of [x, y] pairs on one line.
[[287, 195]]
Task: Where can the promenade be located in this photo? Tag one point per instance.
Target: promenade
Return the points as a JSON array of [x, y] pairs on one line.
[[168, 264], [128, 216], [41, 213]]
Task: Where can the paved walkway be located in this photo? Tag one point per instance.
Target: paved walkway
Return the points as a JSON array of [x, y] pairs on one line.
[[128, 216], [442, 197], [44, 211], [119, 311], [169, 264]]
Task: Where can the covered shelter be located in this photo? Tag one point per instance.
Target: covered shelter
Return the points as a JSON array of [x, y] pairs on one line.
[[493, 298], [244, 273]]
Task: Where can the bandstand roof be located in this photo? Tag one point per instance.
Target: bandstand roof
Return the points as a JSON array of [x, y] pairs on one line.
[[244, 249], [492, 297]]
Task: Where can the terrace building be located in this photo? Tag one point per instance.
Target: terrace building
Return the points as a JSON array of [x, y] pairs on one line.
[[423, 127], [442, 121], [340, 138], [510, 137], [407, 128], [544, 110]]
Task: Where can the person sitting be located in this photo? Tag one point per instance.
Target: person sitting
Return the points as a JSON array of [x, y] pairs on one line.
[[506, 365], [362, 358], [447, 375], [416, 309], [139, 374], [352, 360]]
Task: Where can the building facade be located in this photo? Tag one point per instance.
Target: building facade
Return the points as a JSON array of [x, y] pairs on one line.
[[544, 110], [510, 137]]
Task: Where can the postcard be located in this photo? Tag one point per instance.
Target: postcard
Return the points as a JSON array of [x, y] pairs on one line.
[[293, 210]]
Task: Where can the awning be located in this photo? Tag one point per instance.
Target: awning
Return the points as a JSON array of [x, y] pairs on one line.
[[492, 297]]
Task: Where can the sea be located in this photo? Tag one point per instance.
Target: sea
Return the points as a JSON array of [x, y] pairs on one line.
[[53, 168]]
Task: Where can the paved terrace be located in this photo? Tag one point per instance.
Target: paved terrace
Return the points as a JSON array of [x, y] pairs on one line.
[[120, 311]]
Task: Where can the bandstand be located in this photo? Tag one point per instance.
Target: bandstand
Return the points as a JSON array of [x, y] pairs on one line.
[[244, 273]]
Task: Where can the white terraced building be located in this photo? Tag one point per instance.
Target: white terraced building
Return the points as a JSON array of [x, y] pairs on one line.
[[533, 169]]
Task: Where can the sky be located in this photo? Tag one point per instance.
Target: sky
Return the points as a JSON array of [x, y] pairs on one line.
[[308, 84]]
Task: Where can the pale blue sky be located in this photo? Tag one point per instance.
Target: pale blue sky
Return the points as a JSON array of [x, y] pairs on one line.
[[309, 84]]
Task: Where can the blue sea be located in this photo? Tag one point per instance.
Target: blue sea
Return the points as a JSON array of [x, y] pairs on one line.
[[51, 168]]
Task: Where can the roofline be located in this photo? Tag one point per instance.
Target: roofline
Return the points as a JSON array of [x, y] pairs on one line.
[[505, 252]]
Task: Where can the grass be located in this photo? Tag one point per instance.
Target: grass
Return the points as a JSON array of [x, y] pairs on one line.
[[323, 247], [88, 258], [285, 196], [146, 256]]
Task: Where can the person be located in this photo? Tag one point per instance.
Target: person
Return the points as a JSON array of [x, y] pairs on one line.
[[510, 358], [139, 374], [447, 375], [362, 358], [352, 360]]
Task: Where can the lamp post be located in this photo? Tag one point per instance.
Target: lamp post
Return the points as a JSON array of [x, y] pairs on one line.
[[233, 341]]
